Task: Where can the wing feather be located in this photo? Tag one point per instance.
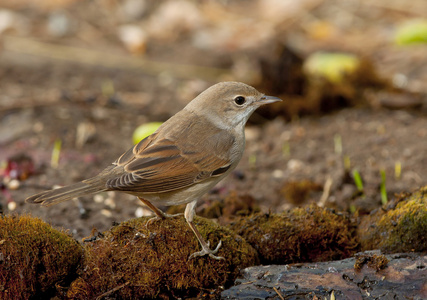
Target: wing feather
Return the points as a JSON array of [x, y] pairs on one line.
[[161, 167], [184, 151]]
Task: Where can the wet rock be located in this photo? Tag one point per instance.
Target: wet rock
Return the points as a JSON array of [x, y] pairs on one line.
[[403, 277]]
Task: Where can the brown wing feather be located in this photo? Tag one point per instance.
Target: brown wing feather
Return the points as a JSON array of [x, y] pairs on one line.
[[154, 166]]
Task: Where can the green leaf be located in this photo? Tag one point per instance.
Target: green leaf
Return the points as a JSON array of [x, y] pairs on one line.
[[145, 130]]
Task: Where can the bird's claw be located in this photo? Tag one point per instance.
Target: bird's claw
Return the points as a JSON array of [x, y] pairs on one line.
[[208, 251], [151, 220], [157, 218]]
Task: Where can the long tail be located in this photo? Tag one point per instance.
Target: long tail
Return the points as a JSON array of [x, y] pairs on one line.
[[66, 193]]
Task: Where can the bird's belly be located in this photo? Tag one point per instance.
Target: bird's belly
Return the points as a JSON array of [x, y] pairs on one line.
[[181, 196]]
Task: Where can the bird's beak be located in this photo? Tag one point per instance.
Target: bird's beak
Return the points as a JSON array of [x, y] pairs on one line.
[[268, 99]]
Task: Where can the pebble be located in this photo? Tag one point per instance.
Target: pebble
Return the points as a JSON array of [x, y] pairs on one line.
[[278, 174], [11, 205], [295, 165], [142, 212], [85, 132], [107, 213], [11, 21], [134, 38], [110, 203], [59, 24], [98, 198], [13, 184]]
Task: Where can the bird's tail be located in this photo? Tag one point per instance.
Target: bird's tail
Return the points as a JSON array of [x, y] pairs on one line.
[[66, 193]]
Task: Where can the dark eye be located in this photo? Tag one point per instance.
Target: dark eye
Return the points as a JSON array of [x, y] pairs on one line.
[[239, 100]]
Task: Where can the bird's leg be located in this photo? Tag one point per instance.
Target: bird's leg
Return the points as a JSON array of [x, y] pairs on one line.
[[159, 214], [189, 216]]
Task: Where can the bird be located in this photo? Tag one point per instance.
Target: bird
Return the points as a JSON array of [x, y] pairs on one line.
[[182, 160]]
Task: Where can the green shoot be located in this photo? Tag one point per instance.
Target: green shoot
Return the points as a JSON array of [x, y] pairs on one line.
[[252, 161], [358, 180], [397, 170], [347, 162], [286, 149], [54, 161], [383, 190], [107, 88]]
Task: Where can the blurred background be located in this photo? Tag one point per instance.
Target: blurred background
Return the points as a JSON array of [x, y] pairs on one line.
[[77, 78]]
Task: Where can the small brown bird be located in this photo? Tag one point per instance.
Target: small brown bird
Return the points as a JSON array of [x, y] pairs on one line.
[[183, 159]]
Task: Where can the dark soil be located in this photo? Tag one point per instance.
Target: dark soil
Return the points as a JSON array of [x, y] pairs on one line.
[[47, 99], [372, 139]]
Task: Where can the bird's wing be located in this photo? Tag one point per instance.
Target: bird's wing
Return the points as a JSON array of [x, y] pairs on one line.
[[157, 165]]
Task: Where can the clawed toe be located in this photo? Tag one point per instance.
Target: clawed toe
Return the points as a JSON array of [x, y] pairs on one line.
[[164, 216], [208, 251], [151, 220]]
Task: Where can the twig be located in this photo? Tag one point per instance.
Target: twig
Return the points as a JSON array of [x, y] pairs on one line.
[[326, 192], [112, 291], [278, 293], [248, 282]]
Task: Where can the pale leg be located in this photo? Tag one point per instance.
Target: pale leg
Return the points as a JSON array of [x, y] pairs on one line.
[[189, 216], [159, 214]]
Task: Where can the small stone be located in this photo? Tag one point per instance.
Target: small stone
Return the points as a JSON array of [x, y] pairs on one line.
[[110, 203], [59, 24], [85, 132], [142, 212], [278, 174], [13, 184], [12, 22], [98, 198], [11, 205], [295, 165], [107, 213], [134, 38]]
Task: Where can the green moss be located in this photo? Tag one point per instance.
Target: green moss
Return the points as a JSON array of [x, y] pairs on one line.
[[401, 228], [34, 258], [300, 235], [132, 262]]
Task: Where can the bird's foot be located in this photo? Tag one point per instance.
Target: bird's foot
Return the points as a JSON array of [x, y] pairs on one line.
[[207, 251], [162, 217]]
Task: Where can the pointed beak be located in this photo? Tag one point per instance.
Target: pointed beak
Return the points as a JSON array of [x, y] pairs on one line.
[[268, 99]]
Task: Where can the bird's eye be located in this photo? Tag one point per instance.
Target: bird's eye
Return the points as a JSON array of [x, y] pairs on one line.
[[239, 100]]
